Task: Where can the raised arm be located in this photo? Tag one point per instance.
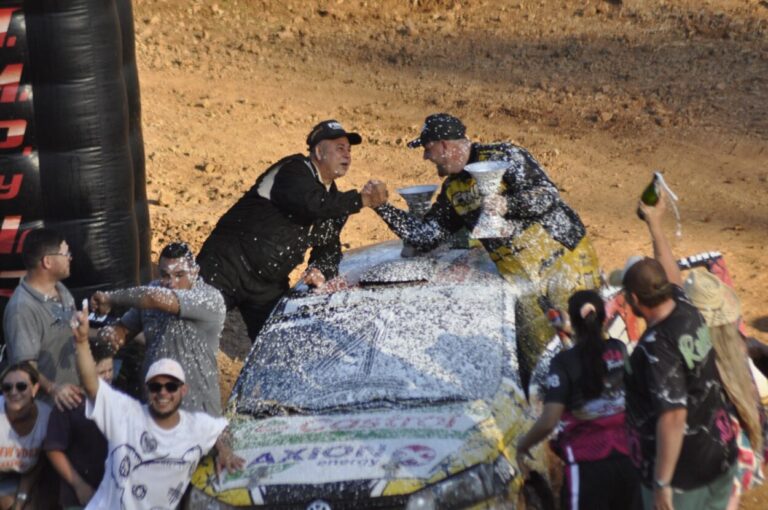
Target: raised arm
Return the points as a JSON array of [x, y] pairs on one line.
[[86, 366], [662, 251]]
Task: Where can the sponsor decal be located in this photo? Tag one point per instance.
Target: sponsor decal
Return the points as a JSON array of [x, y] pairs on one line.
[[339, 461], [414, 455], [336, 454], [390, 422], [453, 423]]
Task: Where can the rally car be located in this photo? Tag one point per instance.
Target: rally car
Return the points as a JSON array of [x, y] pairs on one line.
[[398, 389]]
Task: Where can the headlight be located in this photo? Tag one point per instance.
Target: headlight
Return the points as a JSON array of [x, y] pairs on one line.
[[469, 487], [198, 500]]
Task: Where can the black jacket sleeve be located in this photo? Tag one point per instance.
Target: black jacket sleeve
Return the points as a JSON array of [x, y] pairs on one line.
[[297, 191]]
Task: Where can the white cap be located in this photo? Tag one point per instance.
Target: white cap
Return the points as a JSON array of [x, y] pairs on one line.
[[165, 366]]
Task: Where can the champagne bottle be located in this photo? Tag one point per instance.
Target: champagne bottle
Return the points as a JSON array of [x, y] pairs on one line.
[[650, 195]]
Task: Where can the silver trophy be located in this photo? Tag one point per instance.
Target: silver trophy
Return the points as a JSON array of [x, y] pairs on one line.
[[488, 176], [419, 200]]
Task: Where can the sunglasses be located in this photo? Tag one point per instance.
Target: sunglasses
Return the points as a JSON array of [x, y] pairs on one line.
[[170, 387], [21, 387]]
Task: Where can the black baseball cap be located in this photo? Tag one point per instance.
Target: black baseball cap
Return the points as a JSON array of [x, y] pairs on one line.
[[330, 130], [439, 126]]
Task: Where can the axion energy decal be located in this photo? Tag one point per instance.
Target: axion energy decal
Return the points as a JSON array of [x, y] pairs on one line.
[[338, 461], [323, 449], [20, 207]]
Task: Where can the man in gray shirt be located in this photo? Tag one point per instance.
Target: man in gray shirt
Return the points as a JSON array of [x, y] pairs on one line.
[[181, 317], [37, 319]]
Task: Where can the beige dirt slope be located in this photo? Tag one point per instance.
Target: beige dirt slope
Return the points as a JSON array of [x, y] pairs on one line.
[[601, 92]]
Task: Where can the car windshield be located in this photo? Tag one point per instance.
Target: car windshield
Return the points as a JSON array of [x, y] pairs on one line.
[[396, 345]]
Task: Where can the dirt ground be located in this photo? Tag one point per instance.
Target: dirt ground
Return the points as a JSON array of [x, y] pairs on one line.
[[601, 92]]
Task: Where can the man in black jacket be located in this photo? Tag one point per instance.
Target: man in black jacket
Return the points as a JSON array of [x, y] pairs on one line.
[[294, 205]]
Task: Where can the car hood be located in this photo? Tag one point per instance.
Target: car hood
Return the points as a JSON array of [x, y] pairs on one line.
[[387, 453], [397, 339]]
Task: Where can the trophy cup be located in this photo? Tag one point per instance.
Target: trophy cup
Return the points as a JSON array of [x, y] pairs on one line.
[[488, 176], [418, 199]]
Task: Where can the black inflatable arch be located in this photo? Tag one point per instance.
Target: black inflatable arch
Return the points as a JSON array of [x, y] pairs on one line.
[[71, 149]]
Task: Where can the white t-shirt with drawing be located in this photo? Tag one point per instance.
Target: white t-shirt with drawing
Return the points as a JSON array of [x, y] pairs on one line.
[[148, 467], [19, 454]]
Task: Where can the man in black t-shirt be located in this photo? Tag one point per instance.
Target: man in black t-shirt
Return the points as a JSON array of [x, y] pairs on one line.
[[293, 206], [680, 434]]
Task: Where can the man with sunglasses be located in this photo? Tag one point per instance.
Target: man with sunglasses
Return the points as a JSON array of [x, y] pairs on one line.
[[36, 319], [181, 317], [153, 448]]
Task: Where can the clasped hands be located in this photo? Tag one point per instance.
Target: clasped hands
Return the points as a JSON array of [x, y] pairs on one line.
[[374, 193]]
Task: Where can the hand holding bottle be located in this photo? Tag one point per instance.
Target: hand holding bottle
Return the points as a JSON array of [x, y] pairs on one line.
[[655, 212], [650, 196]]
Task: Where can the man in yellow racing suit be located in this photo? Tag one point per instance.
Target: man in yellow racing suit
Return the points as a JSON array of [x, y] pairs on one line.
[[548, 256]]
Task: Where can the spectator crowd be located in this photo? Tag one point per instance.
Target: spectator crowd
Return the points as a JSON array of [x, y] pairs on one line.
[[676, 423]]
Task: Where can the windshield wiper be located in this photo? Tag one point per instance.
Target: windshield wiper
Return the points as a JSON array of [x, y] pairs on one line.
[[269, 408], [389, 403]]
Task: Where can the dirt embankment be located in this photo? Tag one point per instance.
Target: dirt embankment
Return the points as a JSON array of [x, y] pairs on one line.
[[601, 92]]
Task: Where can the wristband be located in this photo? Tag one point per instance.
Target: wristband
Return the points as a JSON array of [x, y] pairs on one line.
[[658, 484], [21, 496]]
